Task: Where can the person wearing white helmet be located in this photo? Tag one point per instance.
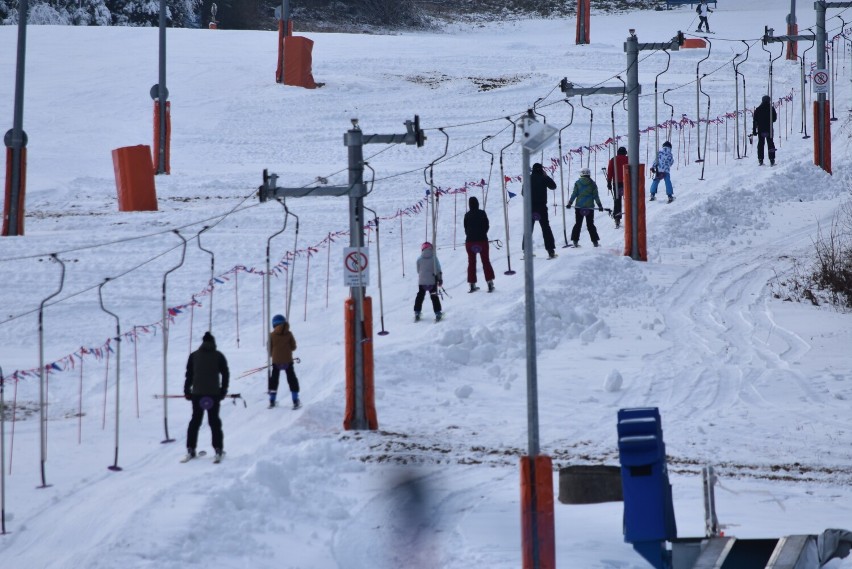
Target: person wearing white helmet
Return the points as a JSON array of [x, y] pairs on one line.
[[429, 279], [585, 193]]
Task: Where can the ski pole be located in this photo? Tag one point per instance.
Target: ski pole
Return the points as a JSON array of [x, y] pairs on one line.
[[233, 397], [255, 370]]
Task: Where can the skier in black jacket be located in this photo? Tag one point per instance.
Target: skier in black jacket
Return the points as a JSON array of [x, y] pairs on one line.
[[476, 241], [203, 387], [539, 184], [764, 116]]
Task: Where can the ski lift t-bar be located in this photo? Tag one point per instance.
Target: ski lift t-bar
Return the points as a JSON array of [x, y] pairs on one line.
[[353, 138], [355, 190]]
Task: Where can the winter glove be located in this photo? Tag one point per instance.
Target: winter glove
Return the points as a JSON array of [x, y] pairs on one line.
[[653, 169], [609, 184], [568, 206], [600, 208], [187, 395], [222, 394]]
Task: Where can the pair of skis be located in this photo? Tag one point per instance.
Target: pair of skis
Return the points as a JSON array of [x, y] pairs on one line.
[[216, 458]]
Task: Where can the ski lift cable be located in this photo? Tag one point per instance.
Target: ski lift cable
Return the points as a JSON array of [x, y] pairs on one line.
[[42, 378], [212, 276], [591, 125], [267, 281], [736, 65], [87, 289], [771, 81], [745, 127], [505, 196], [802, 79], [698, 92], [292, 266], [561, 177], [656, 83], [490, 170], [117, 339], [165, 325], [383, 332]]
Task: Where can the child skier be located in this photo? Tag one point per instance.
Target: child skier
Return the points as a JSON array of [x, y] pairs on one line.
[[429, 279], [662, 171], [282, 344]]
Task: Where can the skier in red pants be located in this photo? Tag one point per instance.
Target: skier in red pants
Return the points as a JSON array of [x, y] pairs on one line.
[[476, 241]]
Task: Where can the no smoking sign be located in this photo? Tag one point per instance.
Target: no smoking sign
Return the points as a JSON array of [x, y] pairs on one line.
[[356, 264], [821, 81]]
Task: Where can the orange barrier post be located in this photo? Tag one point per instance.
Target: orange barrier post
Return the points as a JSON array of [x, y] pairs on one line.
[[792, 46], [166, 166], [298, 61], [279, 70], [583, 22], [134, 178], [542, 509], [826, 136], [367, 350], [628, 217], [7, 203]]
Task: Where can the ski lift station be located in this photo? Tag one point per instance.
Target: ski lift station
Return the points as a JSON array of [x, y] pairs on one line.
[[649, 519]]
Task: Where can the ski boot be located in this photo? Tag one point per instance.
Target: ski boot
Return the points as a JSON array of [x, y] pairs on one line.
[[473, 287], [490, 286]]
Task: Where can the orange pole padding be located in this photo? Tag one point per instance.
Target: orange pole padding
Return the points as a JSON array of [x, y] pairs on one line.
[[628, 217], [826, 151], [693, 43], [543, 511], [367, 349], [298, 61], [583, 17], [167, 166], [7, 203], [792, 46], [279, 70], [826, 136], [134, 178]]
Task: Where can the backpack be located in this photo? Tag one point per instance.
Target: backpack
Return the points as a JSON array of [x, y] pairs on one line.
[[698, 9]]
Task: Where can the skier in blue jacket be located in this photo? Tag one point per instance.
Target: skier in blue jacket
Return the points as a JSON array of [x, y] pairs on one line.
[[662, 171]]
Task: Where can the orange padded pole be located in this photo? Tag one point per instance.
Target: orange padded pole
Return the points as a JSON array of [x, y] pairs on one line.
[[826, 136], [367, 350], [7, 203], [628, 217], [167, 166], [541, 511]]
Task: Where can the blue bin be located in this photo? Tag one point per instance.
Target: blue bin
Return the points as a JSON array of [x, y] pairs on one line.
[[648, 507]]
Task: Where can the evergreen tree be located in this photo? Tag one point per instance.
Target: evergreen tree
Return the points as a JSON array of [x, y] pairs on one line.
[[179, 13]]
